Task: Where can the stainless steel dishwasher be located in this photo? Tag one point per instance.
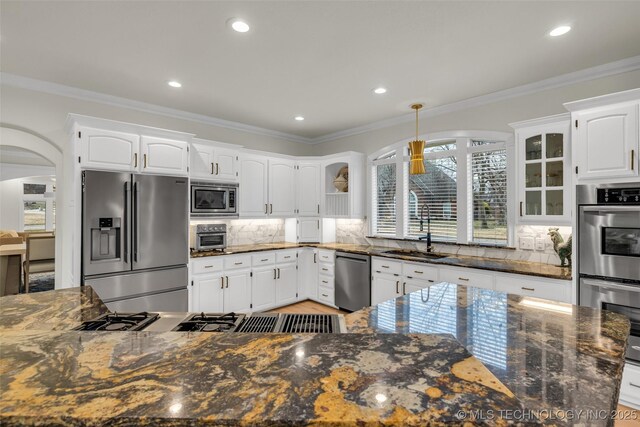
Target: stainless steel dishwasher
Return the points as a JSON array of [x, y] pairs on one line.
[[353, 281]]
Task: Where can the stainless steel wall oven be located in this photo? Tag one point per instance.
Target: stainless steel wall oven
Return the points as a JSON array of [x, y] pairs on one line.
[[609, 252]]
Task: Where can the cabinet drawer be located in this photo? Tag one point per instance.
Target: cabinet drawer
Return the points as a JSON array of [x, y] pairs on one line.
[[420, 271], [630, 386], [326, 256], [467, 277], [328, 269], [326, 281], [557, 290], [286, 256], [206, 265], [263, 258], [326, 295], [237, 261], [384, 265]]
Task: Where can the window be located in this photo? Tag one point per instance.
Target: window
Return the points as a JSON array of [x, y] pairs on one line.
[[385, 180], [38, 206], [435, 195], [464, 191], [489, 193]]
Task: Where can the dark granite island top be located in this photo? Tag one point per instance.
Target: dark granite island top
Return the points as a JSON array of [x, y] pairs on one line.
[[526, 358], [554, 357]]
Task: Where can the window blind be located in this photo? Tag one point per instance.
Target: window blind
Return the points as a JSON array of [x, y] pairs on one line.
[[385, 176], [437, 188], [489, 196]]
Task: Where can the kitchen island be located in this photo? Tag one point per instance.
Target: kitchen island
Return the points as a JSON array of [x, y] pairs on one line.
[[399, 365]]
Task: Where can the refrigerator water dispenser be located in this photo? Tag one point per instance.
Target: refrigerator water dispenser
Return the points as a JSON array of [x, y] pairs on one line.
[[105, 239]]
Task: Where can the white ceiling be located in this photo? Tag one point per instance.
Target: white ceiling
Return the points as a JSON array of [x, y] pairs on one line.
[[319, 59]]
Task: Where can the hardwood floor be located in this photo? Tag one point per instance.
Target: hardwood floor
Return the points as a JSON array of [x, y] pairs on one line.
[[628, 423], [307, 307]]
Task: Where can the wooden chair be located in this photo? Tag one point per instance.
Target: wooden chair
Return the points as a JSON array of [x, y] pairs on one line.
[[40, 256]]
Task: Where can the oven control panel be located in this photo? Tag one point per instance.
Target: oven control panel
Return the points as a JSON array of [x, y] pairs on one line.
[[619, 196], [211, 228]]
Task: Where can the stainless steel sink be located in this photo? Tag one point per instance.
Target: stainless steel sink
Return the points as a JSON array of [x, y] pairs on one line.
[[415, 254]]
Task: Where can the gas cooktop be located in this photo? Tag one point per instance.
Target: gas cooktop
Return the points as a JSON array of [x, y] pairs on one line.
[[119, 322]]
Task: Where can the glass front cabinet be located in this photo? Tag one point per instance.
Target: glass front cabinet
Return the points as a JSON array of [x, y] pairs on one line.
[[543, 170]]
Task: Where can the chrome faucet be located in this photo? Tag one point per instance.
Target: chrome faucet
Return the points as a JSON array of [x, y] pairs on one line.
[[428, 236]]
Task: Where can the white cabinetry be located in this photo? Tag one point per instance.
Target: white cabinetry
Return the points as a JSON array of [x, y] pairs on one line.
[[308, 229], [308, 273], [630, 387], [254, 172], [108, 150], [539, 287], [221, 284], [207, 293], [386, 280], [308, 200], [237, 290], [349, 203], [466, 277], [326, 278], [286, 284], [263, 288], [282, 187], [164, 156], [211, 162], [544, 170], [607, 142], [605, 137]]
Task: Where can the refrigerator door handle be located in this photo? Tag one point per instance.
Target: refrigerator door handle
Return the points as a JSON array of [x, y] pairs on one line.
[[135, 222], [126, 221]]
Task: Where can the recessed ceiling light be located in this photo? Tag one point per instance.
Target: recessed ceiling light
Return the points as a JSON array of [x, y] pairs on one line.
[[298, 118], [379, 90], [239, 25], [174, 83], [558, 31]]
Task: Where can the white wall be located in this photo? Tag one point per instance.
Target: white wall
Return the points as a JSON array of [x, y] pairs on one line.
[[45, 114], [495, 116], [10, 196]]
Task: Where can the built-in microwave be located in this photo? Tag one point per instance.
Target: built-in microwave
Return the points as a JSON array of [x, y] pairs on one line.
[[214, 199]]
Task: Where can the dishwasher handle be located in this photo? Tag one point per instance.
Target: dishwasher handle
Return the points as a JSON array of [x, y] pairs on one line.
[[353, 257]]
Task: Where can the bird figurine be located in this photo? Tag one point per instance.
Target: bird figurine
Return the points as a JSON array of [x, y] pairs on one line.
[[562, 248]]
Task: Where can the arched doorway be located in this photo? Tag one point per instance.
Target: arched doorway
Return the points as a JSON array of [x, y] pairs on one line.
[[30, 145]]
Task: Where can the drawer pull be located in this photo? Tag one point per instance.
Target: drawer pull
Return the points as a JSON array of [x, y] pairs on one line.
[[397, 285], [238, 263], [324, 281], [431, 281], [227, 281], [418, 272], [404, 288], [463, 278], [527, 289], [634, 385], [287, 257], [385, 266], [263, 260], [325, 295], [325, 269], [208, 266], [221, 282]]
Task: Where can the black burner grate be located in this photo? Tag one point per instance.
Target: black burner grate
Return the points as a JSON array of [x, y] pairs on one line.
[[259, 323], [309, 323]]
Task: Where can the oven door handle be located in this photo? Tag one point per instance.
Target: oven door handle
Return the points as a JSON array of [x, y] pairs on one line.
[[606, 209], [609, 285]]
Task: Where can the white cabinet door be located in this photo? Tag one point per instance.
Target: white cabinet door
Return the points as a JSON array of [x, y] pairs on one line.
[[253, 186], [308, 229], [202, 161], [412, 285], [385, 287], [237, 291], [263, 288], [164, 156], [225, 162], [208, 293], [286, 284], [308, 199], [108, 150], [607, 142], [282, 187], [308, 273]]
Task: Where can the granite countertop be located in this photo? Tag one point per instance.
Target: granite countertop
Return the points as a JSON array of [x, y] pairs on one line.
[[553, 356], [416, 360], [483, 263]]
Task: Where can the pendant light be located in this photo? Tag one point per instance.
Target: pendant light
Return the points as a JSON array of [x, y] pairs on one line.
[[416, 149]]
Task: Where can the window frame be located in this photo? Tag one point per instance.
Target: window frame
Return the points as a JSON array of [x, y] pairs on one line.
[[463, 154], [49, 203]]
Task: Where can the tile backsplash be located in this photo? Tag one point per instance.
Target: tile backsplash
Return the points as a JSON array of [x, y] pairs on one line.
[[248, 231], [355, 232]]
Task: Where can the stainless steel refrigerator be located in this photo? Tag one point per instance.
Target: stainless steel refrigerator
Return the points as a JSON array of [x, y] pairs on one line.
[[135, 240]]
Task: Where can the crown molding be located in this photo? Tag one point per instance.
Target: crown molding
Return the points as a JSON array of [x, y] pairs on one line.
[[604, 70], [22, 82], [599, 101], [542, 121]]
